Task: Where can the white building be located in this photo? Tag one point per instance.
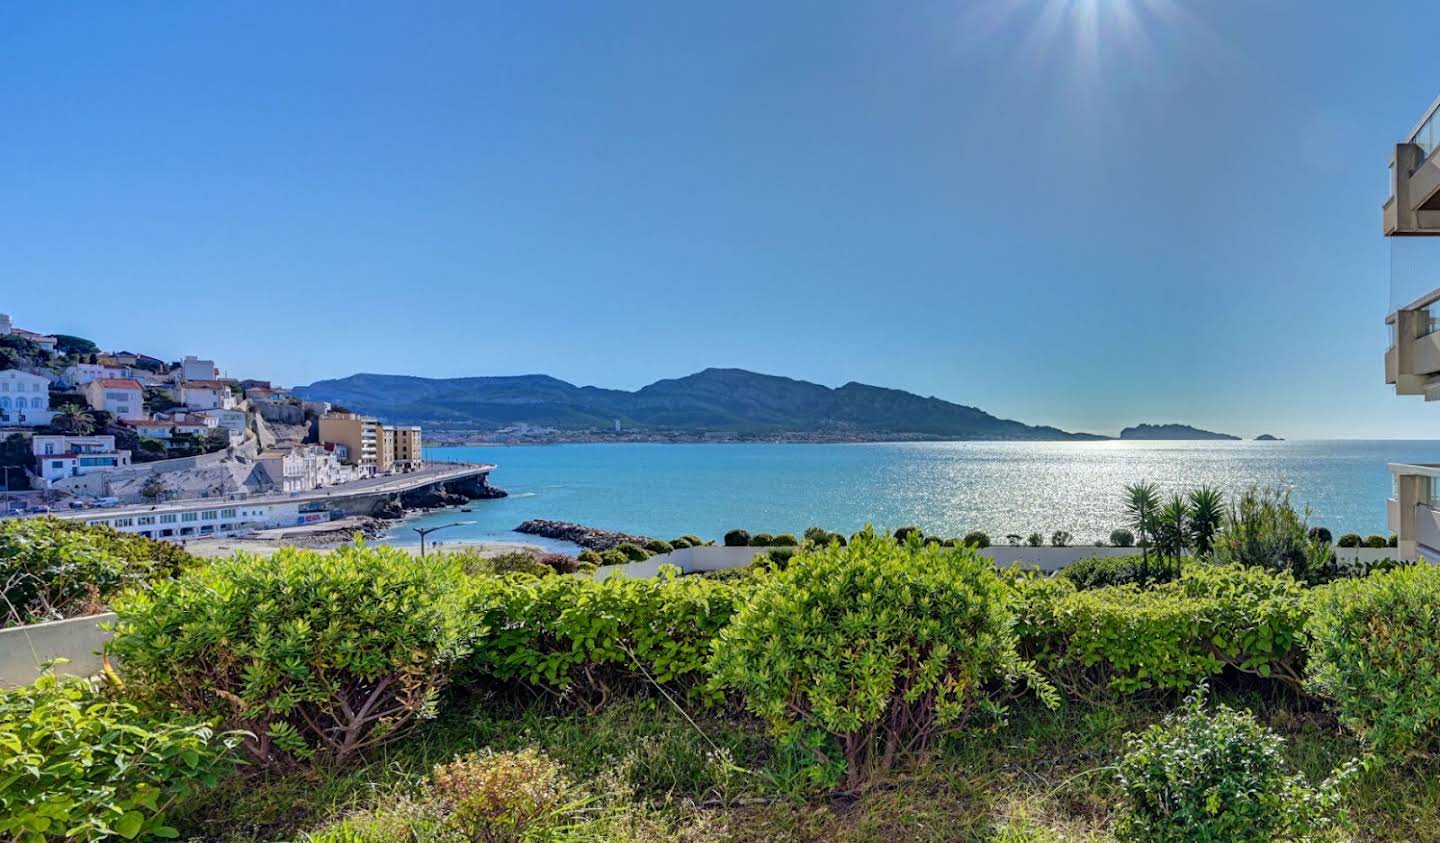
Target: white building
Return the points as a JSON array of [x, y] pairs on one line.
[[194, 369], [228, 419], [24, 399], [180, 521], [122, 398], [45, 341], [58, 457], [305, 468], [268, 395], [166, 429], [82, 373], [204, 395]]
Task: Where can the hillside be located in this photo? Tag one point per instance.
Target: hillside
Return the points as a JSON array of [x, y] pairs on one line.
[[1171, 431], [715, 401]]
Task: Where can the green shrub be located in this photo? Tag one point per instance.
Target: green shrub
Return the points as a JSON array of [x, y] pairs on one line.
[[1375, 651], [1375, 541], [784, 540], [509, 562], [614, 556], [1034, 540], [1219, 776], [1261, 529], [584, 638], [975, 538], [903, 534], [589, 556], [1122, 538], [680, 543], [1349, 540], [1060, 538], [737, 538], [633, 552], [691, 539], [316, 654], [657, 546], [817, 536], [1102, 571], [506, 796], [777, 559], [1124, 639], [762, 540], [75, 765], [52, 569], [1321, 535], [874, 646]]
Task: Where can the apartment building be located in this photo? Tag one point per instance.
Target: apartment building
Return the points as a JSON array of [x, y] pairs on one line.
[[405, 448], [123, 398], [1410, 218], [59, 457], [24, 399], [363, 438]]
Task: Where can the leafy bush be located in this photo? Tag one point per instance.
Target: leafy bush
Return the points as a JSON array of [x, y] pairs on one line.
[[777, 558], [1349, 540], [737, 538], [1102, 571], [509, 562], [583, 637], [506, 796], [692, 540], [1124, 639], [784, 540], [762, 540], [75, 765], [1060, 538], [1034, 540], [658, 546], [633, 552], [589, 556], [1375, 541], [1263, 530], [315, 654], [1321, 535], [52, 569], [1219, 776], [877, 646], [614, 556], [1375, 651], [819, 537], [975, 538], [1122, 538], [680, 543], [903, 534]]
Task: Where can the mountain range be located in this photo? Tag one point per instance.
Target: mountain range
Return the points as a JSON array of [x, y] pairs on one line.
[[731, 402]]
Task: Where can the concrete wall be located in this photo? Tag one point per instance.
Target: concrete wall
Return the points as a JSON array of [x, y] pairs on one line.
[[23, 649]]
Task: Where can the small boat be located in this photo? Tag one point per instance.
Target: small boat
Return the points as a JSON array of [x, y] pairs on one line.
[[467, 510]]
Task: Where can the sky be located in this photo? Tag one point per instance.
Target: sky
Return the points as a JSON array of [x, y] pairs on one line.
[[1085, 213]]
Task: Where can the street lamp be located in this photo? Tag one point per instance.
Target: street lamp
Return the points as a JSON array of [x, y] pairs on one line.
[[425, 531]]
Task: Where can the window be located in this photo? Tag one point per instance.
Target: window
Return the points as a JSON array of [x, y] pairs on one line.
[[227, 513], [124, 522], [145, 520], [209, 515], [189, 516], [167, 519]]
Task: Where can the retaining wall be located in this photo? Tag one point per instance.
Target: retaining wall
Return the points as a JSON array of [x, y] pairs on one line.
[[24, 648]]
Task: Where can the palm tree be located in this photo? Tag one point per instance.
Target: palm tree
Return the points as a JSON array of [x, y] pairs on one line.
[[75, 419], [1207, 510], [1171, 528], [1142, 503]]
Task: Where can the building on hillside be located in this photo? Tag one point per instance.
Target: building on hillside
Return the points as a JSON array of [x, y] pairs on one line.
[[167, 429], [58, 457], [1411, 218], [363, 438], [82, 373], [305, 468], [45, 341], [24, 399], [229, 419], [405, 448], [204, 395], [193, 368], [122, 398], [267, 395]]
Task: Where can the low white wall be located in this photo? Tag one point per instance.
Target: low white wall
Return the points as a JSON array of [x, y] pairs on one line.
[[24, 648], [693, 560]]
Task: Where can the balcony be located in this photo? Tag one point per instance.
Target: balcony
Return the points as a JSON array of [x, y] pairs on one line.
[[1413, 207]]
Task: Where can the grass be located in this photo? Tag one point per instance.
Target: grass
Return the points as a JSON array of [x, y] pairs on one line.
[[1043, 776]]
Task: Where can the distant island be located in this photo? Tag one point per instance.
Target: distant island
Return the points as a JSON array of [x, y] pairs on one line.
[[708, 406], [1173, 432], [1265, 437]]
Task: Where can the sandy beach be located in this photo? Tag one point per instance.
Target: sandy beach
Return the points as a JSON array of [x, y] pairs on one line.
[[330, 536]]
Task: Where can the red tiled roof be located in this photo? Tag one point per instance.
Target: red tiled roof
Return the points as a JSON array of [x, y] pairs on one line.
[[119, 383], [203, 385]]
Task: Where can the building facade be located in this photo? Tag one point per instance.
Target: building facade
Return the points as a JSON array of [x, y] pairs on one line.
[[1410, 217], [405, 448], [24, 399], [363, 438], [59, 457], [122, 398]]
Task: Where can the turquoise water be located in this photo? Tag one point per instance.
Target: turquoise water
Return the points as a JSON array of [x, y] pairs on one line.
[[947, 488]]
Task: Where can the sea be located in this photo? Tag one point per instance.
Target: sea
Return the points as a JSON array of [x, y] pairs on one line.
[[945, 488]]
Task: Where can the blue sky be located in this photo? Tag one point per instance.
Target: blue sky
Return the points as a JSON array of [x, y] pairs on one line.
[[1085, 213]]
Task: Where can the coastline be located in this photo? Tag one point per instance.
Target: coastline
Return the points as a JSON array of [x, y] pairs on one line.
[[218, 548]]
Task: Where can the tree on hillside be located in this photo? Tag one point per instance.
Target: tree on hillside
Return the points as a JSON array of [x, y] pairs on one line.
[[74, 420], [67, 344]]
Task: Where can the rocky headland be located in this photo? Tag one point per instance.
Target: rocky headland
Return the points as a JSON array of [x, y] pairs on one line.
[[592, 538]]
